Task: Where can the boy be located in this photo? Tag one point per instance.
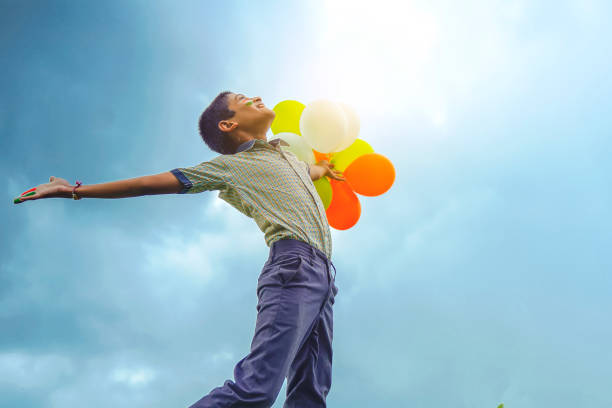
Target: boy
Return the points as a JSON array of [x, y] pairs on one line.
[[295, 290]]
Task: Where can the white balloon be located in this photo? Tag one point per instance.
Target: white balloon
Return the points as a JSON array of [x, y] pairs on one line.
[[297, 146], [323, 125], [353, 125]]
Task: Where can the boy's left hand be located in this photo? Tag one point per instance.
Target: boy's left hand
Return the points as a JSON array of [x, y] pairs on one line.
[[336, 175]]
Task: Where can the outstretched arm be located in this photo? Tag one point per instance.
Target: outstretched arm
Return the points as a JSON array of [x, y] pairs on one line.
[[163, 183]]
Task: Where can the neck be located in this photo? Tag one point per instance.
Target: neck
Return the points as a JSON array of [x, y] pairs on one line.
[[242, 137]]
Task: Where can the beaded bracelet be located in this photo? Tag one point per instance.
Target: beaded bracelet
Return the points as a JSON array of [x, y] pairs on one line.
[[74, 195]]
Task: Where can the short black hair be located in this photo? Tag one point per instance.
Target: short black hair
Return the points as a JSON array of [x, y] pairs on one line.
[[215, 138]]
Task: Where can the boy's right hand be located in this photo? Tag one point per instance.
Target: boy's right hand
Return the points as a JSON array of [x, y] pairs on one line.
[[56, 187]]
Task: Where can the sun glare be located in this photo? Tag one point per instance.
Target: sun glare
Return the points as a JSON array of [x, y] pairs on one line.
[[372, 51]]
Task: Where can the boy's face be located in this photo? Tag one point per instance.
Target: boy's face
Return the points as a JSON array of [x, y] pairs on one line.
[[252, 116]]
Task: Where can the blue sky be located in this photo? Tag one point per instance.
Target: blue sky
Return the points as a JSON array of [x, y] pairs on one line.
[[480, 277]]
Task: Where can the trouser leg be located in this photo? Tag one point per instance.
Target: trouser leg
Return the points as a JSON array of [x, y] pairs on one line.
[[290, 294], [310, 374]]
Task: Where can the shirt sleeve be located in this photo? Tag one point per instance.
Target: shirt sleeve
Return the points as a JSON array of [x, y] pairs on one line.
[[206, 176]]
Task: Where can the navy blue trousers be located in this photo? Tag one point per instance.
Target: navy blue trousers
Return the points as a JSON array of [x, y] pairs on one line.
[[293, 334]]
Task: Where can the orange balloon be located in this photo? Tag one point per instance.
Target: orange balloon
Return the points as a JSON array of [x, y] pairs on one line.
[[321, 156], [370, 174], [344, 210]]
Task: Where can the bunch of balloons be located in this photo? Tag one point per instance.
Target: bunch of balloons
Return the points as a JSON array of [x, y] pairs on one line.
[[326, 130]]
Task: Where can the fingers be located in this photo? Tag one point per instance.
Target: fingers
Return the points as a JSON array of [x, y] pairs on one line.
[[25, 196], [337, 176]]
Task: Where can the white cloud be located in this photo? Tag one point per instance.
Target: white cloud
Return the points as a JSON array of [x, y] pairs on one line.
[[197, 258], [29, 371], [221, 357], [133, 376], [188, 258]]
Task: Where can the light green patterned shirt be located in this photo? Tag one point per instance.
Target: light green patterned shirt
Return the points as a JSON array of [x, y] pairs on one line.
[[269, 184]]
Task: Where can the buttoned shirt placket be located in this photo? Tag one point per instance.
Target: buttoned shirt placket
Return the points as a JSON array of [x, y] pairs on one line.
[[277, 147]]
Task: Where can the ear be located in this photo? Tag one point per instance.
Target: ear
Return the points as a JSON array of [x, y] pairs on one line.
[[227, 126]]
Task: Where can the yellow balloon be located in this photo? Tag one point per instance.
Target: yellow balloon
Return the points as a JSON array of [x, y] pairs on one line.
[[287, 117], [324, 189], [342, 159]]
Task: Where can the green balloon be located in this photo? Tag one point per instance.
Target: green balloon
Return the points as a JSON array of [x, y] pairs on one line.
[[341, 160], [324, 189]]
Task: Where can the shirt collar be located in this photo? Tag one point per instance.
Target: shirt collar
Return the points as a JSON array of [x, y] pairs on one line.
[[249, 143]]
